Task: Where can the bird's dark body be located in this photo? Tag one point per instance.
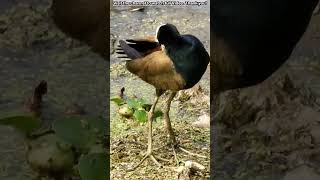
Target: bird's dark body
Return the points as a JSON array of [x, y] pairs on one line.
[[190, 59], [252, 39]]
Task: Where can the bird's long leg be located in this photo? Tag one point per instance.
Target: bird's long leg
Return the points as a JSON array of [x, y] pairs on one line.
[[149, 150], [170, 131], [167, 123]]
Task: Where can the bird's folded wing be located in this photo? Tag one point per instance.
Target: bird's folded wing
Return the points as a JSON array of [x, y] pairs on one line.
[[157, 69], [154, 63], [144, 46]]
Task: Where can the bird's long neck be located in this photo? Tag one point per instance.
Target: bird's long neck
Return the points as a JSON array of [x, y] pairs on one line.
[[174, 42], [173, 49]]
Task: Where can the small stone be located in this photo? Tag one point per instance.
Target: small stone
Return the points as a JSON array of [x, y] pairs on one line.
[[194, 166], [125, 111], [203, 122]]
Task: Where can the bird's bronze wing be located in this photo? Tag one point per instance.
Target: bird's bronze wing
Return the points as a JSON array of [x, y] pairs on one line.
[[157, 69], [150, 62]]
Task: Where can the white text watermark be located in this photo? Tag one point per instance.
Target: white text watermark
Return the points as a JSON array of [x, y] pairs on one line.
[[159, 3]]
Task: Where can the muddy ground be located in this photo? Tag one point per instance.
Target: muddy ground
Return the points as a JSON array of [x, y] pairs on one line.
[[128, 137]]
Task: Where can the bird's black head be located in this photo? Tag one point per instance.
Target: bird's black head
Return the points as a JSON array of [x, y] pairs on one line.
[[167, 33]]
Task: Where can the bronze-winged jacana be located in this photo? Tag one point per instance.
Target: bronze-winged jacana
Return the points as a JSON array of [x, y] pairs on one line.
[[169, 61]]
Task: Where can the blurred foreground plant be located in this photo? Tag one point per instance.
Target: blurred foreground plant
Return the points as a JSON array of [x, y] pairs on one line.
[[72, 146]]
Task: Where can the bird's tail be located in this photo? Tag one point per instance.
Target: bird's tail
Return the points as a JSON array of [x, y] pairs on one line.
[[127, 52]]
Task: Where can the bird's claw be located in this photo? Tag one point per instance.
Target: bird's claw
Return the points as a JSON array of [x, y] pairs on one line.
[[153, 158]]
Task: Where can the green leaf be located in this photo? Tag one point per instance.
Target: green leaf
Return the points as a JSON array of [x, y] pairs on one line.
[[134, 104], [25, 124], [94, 167], [81, 132], [72, 130], [97, 125], [141, 116], [117, 100]]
